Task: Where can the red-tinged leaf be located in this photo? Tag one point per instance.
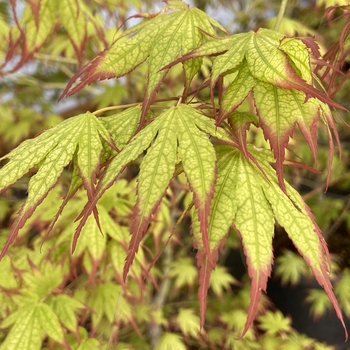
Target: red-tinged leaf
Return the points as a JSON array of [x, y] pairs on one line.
[[132, 150], [268, 63], [41, 183], [223, 209], [240, 123], [329, 121], [255, 223], [161, 39], [306, 236], [231, 59], [71, 16], [236, 92], [31, 30], [299, 57], [199, 161], [50, 153], [279, 110], [205, 268], [295, 216], [156, 171]]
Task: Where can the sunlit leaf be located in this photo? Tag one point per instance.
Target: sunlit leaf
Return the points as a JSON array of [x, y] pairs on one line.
[[50, 153], [171, 341], [274, 322], [49, 323], [188, 322]]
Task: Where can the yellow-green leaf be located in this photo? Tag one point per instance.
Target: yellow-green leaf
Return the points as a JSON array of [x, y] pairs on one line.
[[50, 153], [171, 341], [26, 333], [188, 322], [237, 91], [49, 323]]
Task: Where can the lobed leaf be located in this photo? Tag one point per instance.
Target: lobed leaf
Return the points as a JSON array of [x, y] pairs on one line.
[[269, 63], [234, 56], [51, 152], [71, 16], [49, 323], [32, 30], [170, 341], [279, 110], [188, 322], [26, 333], [176, 137], [236, 92], [156, 171], [122, 126], [160, 39], [295, 216], [65, 307]]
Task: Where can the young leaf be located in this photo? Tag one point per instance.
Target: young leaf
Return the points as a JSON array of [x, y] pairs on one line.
[[279, 110], [51, 152], [65, 307], [274, 323], [160, 39], [188, 322], [237, 91], [170, 341], [178, 139], [26, 333], [32, 30], [255, 201], [184, 272], [49, 323]]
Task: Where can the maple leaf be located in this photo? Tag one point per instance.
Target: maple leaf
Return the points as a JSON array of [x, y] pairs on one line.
[[161, 39], [177, 135], [78, 138], [249, 197], [31, 322], [278, 71], [40, 19]]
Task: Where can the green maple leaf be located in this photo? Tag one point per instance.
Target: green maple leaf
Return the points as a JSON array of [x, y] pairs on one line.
[[79, 138], [274, 323], [188, 322], [248, 196], [177, 135], [171, 341], [161, 39], [65, 308], [33, 322]]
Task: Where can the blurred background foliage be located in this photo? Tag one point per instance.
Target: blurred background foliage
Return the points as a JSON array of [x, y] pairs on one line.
[[84, 289]]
